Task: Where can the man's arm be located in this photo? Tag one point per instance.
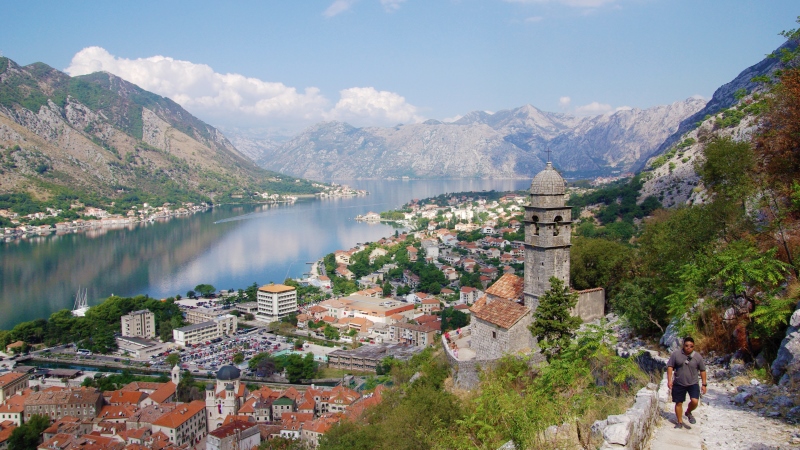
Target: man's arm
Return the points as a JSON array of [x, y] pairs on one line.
[[669, 377], [705, 383]]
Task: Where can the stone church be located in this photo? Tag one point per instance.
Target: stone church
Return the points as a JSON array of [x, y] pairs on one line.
[[501, 318]]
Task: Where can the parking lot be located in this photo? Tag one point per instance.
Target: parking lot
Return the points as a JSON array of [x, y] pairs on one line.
[[209, 356]]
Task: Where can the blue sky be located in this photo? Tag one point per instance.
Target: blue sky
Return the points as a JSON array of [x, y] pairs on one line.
[[279, 66]]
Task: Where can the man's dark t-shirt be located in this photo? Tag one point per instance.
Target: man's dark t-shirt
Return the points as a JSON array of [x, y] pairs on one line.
[[686, 367]]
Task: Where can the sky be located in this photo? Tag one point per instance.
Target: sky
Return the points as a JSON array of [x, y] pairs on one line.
[[276, 67]]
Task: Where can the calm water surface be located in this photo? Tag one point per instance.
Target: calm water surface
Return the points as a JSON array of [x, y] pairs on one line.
[[228, 247]]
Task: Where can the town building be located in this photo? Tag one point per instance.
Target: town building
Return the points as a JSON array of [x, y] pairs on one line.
[[83, 403], [200, 315], [414, 334], [186, 424], [206, 331], [367, 357], [235, 434], [12, 383], [247, 308], [140, 323], [276, 301]]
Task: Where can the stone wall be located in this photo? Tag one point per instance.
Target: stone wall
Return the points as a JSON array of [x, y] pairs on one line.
[[632, 429], [591, 304]]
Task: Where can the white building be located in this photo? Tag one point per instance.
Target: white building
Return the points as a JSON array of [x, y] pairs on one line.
[[275, 301], [140, 323], [202, 332]]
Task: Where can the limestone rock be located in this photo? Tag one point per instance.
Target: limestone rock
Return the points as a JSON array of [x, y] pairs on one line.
[[670, 339], [742, 398], [617, 433]]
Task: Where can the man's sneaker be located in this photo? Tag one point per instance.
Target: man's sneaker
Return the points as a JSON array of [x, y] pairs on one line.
[[691, 418], [678, 425]]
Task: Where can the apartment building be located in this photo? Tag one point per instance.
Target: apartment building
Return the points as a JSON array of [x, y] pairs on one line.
[[202, 332], [140, 323], [200, 315], [276, 301]]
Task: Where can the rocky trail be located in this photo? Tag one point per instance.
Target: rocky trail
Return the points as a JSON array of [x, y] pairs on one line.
[[726, 419]]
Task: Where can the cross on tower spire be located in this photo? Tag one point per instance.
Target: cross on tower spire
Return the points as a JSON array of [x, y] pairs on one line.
[[548, 154]]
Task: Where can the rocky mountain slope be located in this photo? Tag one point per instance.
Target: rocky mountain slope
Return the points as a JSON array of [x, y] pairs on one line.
[[100, 134], [732, 112], [509, 143]]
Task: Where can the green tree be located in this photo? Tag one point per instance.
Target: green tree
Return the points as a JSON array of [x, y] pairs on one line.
[[238, 358], [191, 294], [205, 290], [331, 333], [173, 359], [553, 325], [27, 435], [387, 289]]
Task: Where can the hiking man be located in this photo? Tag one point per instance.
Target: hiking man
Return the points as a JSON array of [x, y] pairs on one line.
[[682, 369]]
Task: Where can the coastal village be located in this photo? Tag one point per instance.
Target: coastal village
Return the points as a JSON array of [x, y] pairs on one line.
[[95, 218]]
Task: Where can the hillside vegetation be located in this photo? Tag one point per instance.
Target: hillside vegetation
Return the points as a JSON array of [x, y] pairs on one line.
[[99, 139]]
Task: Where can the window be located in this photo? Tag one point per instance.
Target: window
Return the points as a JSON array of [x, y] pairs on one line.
[[494, 334]]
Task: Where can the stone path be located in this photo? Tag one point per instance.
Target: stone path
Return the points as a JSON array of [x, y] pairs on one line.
[[722, 425]]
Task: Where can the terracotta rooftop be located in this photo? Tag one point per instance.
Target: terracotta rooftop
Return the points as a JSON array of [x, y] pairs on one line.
[[71, 396], [236, 426], [180, 414], [164, 392], [141, 386], [129, 397], [10, 378], [151, 413], [501, 312], [509, 287]]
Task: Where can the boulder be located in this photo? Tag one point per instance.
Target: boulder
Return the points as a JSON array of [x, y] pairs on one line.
[[742, 398], [782, 401], [788, 353], [670, 339]]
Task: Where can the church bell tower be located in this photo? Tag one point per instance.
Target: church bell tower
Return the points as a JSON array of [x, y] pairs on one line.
[[547, 235]]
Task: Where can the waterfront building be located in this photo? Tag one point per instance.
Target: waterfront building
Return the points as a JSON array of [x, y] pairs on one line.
[[12, 384], [206, 331], [276, 301], [140, 323], [414, 334]]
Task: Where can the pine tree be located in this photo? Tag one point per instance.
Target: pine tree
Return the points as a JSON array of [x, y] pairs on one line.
[[553, 326]]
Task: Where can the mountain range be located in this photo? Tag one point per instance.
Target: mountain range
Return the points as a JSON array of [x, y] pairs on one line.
[[102, 135], [506, 144]]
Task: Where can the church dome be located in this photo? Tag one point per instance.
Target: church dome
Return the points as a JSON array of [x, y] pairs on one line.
[[548, 182], [228, 373]]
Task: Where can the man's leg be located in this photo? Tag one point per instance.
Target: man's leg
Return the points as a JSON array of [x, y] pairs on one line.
[[692, 405], [679, 412]]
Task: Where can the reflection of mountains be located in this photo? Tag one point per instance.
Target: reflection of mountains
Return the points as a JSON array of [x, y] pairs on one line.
[[39, 277]]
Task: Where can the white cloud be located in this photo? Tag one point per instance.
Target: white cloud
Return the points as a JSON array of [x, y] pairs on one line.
[[452, 119], [235, 100], [534, 19], [699, 97], [367, 105], [564, 102], [338, 7], [392, 5], [593, 109], [623, 108]]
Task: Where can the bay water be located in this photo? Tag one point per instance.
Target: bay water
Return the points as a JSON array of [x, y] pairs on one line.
[[229, 247]]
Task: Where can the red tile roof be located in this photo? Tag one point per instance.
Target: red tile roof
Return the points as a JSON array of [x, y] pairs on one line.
[[501, 312], [509, 287], [180, 415]]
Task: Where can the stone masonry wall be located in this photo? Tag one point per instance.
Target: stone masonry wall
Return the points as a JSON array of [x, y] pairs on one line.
[[632, 429], [591, 305]]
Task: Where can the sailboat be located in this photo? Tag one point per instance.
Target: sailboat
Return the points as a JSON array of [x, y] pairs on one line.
[[81, 303]]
